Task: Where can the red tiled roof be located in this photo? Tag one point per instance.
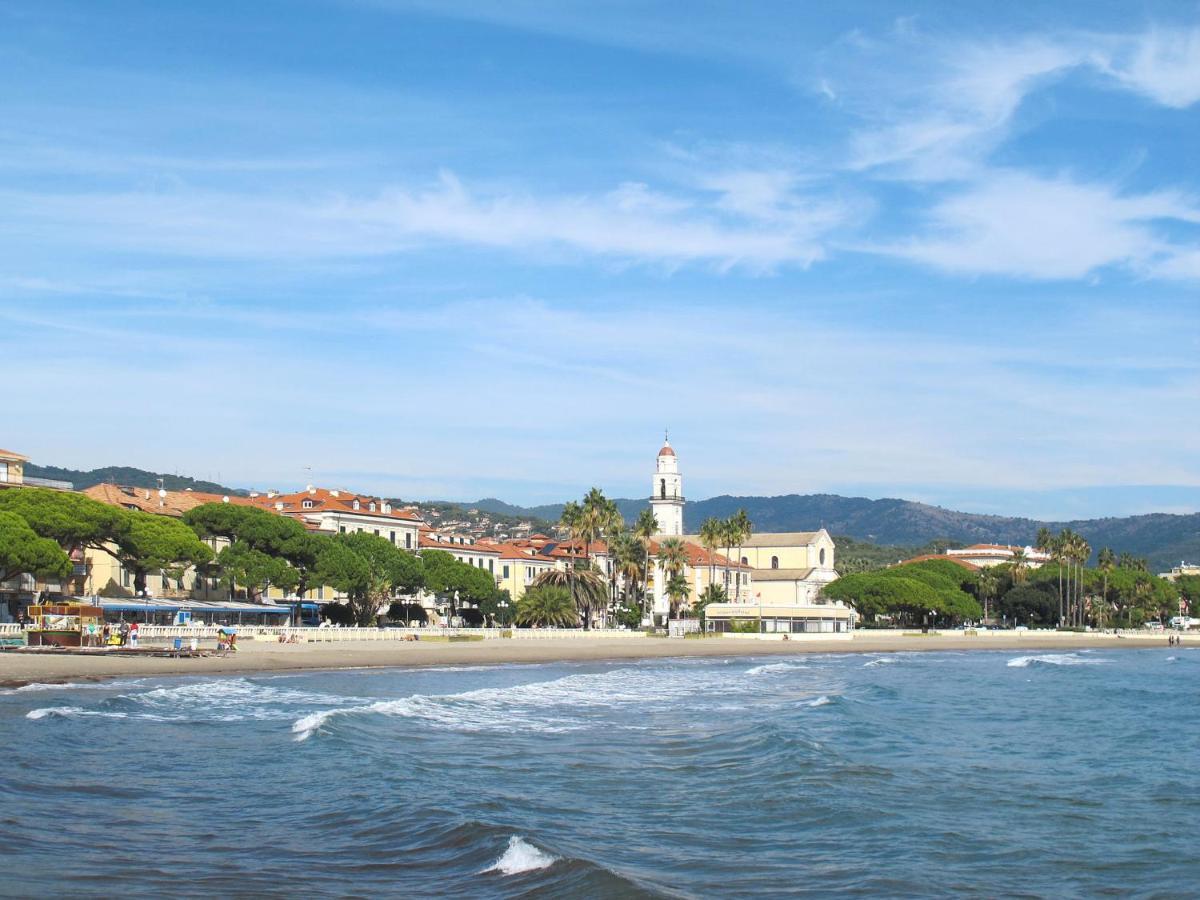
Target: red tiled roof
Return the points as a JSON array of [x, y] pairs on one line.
[[666, 451], [173, 503], [324, 500], [9, 454]]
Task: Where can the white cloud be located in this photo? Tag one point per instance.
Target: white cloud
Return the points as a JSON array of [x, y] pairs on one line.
[[1163, 64], [935, 109], [1012, 223], [743, 228]]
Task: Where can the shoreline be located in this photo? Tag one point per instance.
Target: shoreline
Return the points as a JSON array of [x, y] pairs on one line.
[[18, 669]]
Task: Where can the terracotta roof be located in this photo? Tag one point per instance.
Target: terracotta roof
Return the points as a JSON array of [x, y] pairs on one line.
[[9, 454], [174, 503], [666, 451], [324, 500], [512, 551], [434, 544], [698, 557]]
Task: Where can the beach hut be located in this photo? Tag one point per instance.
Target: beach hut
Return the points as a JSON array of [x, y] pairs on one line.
[[64, 624]]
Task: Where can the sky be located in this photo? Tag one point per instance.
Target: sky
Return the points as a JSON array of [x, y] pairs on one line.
[[942, 251]]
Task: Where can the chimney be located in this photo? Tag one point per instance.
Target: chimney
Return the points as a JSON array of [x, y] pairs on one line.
[[313, 490], [333, 493]]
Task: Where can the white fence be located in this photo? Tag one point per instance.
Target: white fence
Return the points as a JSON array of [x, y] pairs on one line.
[[336, 635]]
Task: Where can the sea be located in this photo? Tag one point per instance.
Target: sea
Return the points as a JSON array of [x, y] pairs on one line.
[[1052, 774]]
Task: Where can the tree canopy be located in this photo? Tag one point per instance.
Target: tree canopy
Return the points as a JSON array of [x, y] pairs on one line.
[[547, 604], [22, 550], [910, 590]]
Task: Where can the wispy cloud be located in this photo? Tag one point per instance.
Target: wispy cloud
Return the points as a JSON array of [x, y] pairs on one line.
[[741, 223], [1011, 223]]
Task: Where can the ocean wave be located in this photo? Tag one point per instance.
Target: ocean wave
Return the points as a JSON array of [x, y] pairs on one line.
[[1052, 659], [823, 700], [39, 686], [775, 668], [555, 706], [217, 700], [521, 856], [880, 661]]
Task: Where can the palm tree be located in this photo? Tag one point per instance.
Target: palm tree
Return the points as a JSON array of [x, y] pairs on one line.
[[1020, 562], [711, 534], [586, 587], [673, 557], [678, 590], [1044, 539], [987, 582], [1106, 561], [547, 604], [743, 528], [729, 534], [644, 528], [1083, 552]]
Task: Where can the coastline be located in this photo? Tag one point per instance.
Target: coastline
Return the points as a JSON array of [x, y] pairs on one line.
[[18, 669]]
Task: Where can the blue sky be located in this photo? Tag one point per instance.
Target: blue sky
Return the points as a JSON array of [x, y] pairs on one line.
[[455, 249]]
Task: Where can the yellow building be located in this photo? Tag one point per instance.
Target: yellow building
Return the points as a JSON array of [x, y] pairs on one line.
[[518, 566], [12, 467]]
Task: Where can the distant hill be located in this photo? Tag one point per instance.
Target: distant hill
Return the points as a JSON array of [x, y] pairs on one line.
[[1162, 538], [126, 475]]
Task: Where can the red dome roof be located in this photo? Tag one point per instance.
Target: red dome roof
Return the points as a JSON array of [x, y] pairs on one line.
[[666, 451]]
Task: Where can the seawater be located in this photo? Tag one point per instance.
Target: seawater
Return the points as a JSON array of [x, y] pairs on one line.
[[920, 774]]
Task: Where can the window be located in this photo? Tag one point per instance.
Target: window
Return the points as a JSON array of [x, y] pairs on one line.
[[774, 562], [371, 507], [662, 488], [307, 504], [492, 566], [505, 572], [822, 556], [408, 540], [3, 471], [376, 532], [357, 505], [745, 560], [342, 529], [320, 593], [392, 536]]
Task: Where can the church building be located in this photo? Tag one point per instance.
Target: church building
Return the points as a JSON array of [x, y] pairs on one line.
[[776, 584]]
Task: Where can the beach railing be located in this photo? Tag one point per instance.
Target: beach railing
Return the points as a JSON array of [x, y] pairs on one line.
[[338, 635]]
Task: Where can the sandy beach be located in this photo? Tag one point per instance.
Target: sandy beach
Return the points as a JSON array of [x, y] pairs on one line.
[[17, 668]]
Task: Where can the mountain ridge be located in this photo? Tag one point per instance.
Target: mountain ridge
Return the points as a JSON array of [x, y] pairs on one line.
[[1163, 538]]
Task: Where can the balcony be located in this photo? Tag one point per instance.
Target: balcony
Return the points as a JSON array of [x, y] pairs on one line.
[[53, 484]]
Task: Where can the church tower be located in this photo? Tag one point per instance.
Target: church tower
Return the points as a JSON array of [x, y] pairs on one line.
[[666, 493]]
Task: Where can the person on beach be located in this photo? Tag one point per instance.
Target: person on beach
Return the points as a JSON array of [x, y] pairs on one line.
[[133, 635]]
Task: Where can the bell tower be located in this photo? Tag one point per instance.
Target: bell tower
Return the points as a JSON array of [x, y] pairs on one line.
[[666, 492]]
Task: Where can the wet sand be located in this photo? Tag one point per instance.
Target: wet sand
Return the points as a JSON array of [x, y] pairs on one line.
[[17, 668]]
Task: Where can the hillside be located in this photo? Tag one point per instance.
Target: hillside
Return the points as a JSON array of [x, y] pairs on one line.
[[126, 475], [1163, 538]]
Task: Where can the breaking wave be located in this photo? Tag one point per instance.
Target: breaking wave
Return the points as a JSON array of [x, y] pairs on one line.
[[1052, 659], [519, 857], [823, 700], [775, 668], [549, 707]]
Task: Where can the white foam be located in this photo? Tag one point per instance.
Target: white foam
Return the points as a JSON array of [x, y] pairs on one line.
[[1052, 659], [774, 668], [77, 711], [38, 686], [820, 701], [1172, 658], [519, 857], [551, 707], [881, 661]]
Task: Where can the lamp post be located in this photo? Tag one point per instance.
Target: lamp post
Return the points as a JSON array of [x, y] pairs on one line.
[[503, 607]]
